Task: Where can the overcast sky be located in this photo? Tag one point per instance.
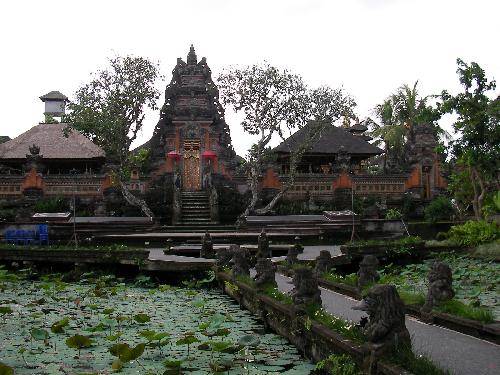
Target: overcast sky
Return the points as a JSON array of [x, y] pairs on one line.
[[370, 47]]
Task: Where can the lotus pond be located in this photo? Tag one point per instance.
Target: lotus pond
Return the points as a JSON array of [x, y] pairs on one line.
[[102, 324]]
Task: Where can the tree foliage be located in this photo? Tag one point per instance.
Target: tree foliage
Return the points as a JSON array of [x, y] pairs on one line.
[[110, 111], [477, 147], [274, 102]]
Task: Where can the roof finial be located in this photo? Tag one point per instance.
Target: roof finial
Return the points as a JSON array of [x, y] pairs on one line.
[[191, 57]]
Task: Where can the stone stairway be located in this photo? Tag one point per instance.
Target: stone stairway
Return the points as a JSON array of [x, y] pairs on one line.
[[195, 208]]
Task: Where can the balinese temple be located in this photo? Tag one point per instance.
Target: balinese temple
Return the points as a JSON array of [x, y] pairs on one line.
[[192, 137], [191, 152]]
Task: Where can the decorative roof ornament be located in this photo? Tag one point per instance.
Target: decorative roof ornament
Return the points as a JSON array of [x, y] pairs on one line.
[[191, 57]]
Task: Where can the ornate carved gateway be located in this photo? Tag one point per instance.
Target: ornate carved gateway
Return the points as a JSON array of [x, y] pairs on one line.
[[192, 136], [191, 174]]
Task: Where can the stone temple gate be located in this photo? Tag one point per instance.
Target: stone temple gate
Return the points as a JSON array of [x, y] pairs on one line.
[[192, 138]]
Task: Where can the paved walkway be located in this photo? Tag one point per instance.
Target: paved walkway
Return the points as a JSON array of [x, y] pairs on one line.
[[312, 252], [459, 353]]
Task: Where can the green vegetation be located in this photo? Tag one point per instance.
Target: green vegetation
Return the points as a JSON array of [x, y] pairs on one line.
[[488, 251], [347, 329], [459, 308], [131, 326], [273, 292], [476, 283], [474, 233], [439, 209], [416, 364], [339, 364], [350, 279]]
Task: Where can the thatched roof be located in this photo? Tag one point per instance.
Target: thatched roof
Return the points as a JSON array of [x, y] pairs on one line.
[[331, 140], [53, 144]]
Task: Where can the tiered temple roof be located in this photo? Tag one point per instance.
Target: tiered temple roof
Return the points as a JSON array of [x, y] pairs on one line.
[[332, 140]]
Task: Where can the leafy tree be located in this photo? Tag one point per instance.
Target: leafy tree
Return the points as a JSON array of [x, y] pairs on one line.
[[274, 102], [110, 111], [397, 116], [478, 145]]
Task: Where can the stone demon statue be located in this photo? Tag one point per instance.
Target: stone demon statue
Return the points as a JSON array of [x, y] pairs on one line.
[[265, 273], [263, 245], [440, 286], [240, 266], [323, 263], [367, 273], [306, 291], [207, 246], [386, 327]]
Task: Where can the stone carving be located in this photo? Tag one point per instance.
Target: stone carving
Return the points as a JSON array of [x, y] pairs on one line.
[[298, 247], [367, 273], [265, 273], [291, 256], [239, 261], [440, 285], [263, 245], [33, 159], [386, 327], [306, 290], [323, 263], [223, 256], [207, 246]]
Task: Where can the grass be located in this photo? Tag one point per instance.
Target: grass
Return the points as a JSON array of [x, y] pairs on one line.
[[347, 329], [351, 279], [416, 364], [458, 308], [273, 292], [412, 298]]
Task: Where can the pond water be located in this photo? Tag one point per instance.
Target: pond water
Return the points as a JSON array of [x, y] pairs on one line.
[[110, 312]]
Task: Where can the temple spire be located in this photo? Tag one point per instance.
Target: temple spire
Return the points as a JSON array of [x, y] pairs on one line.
[[191, 57]]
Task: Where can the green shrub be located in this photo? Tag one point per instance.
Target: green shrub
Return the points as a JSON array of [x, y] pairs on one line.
[[439, 209], [52, 204], [393, 214], [474, 233], [339, 364]]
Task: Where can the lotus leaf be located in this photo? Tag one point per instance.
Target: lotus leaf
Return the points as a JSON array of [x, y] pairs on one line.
[[79, 342], [142, 318], [39, 334], [4, 310], [249, 340], [6, 370], [58, 327]]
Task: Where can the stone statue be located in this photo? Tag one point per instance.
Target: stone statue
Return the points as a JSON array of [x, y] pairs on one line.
[[323, 263], [298, 247], [223, 256], [263, 245], [240, 265], [386, 327], [440, 285], [306, 290], [292, 256], [265, 273], [367, 273], [207, 247]]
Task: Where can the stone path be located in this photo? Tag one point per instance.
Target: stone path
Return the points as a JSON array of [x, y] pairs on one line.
[[312, 252], [454, 351]]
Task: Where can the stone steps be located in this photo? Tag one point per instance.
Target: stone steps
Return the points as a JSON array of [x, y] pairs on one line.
[[195, 208]]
